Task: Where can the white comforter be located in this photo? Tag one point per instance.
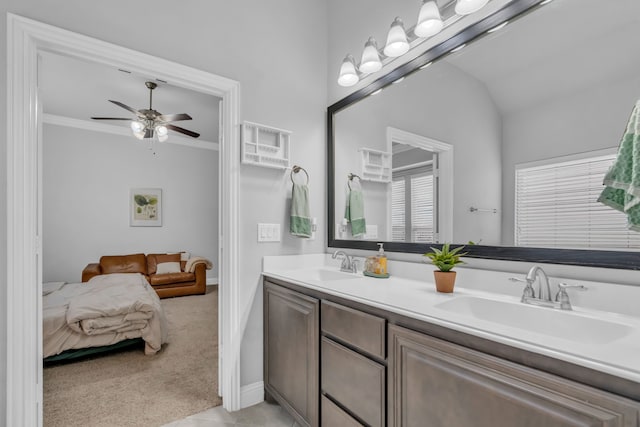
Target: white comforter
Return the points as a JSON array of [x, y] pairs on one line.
[[107, 309]]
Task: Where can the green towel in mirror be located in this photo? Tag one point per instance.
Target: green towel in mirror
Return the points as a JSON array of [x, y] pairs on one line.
[[300, 213], [622, 181], [355, 213]]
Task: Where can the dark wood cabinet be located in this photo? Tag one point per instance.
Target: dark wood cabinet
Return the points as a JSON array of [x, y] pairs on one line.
[[291, 352], [437, 383], [362, 365]]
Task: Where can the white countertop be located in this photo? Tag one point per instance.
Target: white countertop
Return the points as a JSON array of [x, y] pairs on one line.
[[416, 298]]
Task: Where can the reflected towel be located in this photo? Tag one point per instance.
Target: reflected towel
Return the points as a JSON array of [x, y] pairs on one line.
[[622, 181], [355, 213], [300, 213]]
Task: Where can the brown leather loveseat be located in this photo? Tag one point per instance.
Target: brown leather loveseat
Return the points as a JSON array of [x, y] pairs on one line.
[[165, 272]]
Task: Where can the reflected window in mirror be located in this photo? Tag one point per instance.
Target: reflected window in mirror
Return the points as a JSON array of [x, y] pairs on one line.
[[414, 195], [557, 204]]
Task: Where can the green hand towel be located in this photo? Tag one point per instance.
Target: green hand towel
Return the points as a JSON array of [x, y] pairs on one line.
[[300, 216], [622, 181], [355, 213]]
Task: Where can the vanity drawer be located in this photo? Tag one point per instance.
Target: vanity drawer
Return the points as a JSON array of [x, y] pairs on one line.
[[361, 330], [355, 381], [333, 415]]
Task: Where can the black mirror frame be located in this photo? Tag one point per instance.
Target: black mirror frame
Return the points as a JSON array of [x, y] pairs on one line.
[[581, 257]]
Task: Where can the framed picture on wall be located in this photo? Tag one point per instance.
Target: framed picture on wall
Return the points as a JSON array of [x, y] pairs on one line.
[[145, 207]]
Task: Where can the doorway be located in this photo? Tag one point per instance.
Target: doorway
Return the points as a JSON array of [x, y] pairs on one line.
[[27, 38]]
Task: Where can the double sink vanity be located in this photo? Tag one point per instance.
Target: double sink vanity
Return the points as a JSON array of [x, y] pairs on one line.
[[342, 349]]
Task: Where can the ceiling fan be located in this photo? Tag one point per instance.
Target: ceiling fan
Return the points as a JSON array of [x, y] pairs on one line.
[[149, 122]]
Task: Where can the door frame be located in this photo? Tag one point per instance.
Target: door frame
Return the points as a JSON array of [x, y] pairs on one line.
[[26, 38]]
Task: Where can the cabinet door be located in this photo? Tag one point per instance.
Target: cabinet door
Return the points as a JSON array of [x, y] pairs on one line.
[[437, 383], [291, 366]]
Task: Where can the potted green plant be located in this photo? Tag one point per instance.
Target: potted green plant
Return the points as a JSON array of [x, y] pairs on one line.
[[445, 259]]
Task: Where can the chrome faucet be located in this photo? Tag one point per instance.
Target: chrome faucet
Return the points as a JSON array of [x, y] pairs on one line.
[[543, 296], [349, 264], [544, 290]]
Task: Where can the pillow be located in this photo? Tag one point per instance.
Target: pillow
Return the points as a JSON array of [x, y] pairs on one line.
[[154, 259], [168, 267]]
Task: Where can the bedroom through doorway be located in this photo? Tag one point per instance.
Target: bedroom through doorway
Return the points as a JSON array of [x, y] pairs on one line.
[[89, 171]]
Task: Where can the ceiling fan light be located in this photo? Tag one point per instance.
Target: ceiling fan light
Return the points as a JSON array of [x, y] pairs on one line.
[[466, 7], [163, 138], [370, 62], [139, 134], [348, 75], [137, 126], [161, 130], [397, 43], [429, 20]]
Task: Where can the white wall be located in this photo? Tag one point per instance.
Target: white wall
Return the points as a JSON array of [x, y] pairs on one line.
[[277, 50], [87, 177], [577, 123], [445, 104]]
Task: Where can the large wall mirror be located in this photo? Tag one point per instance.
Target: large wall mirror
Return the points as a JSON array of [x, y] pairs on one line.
[[501, 146]]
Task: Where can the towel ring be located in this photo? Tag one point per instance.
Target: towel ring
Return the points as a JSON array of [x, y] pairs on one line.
[[296, 169], [351, 176]]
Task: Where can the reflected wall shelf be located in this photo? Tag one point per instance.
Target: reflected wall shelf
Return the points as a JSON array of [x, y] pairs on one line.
[[376, 165], [265, 146]]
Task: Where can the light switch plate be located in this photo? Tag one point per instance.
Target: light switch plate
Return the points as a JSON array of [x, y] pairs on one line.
[[268, 232]]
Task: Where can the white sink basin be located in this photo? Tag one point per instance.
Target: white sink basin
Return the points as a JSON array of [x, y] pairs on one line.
[[566, 325], [322, 275]]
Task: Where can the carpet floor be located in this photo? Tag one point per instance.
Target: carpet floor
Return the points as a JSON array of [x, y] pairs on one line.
[[127, 388]]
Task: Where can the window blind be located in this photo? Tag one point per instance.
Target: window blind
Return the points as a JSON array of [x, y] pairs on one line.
[[556, 206], [398, 210], [422, 208]]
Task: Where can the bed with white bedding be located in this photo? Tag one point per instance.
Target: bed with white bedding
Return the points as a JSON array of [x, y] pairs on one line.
[[104, 311]]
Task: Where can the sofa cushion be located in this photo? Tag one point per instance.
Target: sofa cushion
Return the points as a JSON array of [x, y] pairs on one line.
[[168, 267], [135, 263], [169, 278], [154, 259]]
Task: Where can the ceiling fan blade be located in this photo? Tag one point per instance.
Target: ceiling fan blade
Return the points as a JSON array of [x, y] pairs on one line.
[[126, 107], [111, 118], [182, 130], [174, 117]]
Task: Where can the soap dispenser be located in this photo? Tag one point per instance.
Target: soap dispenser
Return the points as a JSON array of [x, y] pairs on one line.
[[382, 260]]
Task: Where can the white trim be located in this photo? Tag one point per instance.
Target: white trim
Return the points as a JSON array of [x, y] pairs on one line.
[[445, 175], [53, 119], [252, 394], [25, 39], [604, 152]]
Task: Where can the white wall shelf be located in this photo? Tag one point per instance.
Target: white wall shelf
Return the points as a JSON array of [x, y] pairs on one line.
[[376, 165], [265, 146]]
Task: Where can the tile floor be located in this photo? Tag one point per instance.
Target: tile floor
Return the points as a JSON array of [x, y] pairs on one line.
[[263, 415]]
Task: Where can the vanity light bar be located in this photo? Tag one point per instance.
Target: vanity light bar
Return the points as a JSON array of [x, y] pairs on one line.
[[399, 41]]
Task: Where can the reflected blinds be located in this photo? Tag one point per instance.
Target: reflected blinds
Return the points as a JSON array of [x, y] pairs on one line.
[[398, 210], [422, 208], [556, 206], [412, 206]]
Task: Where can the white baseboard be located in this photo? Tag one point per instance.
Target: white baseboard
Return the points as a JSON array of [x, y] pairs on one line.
[[212, 281], [251, 394]]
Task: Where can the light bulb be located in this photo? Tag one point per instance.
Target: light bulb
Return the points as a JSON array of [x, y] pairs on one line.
[[161, 130], [139, 134], [163, 138], [397, 43], [370, 62], [429, 20], [466, 7], [137, 126], [348, 75]]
